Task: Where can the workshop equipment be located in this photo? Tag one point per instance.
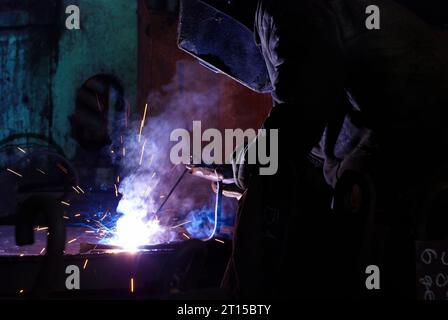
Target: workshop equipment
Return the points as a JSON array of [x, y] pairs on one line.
[[34, 198]]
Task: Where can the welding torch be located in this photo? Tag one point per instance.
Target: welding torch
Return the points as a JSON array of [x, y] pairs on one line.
[[218, 204], [222, 185], [221, 177]]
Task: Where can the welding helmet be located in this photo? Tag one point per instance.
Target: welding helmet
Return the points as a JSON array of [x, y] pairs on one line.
[[242, 11], [220, 34]]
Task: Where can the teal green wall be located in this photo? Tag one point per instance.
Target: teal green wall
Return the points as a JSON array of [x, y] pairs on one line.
[[25, 75], [106, 44]]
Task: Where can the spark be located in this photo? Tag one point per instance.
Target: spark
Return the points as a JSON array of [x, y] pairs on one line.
[[65, 217], [14, 172], [76, 190], [186, 236], [142, 124], [65, 203], [101, 227], [153, 175], [85, 264], [71, 241], [118, 179], [180, 225], [148, 191], [143, 152], [220, 241], [80, 189], [42, 251], [89, 231], [21, 291], [40, 229], [41, 171], [62, 168], [104, 216], [116, 190], [124, 152], [132, 285], [21, 150], [21, 255], [77, 215]]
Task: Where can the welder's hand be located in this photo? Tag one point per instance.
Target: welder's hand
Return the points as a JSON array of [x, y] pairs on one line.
[[229, 190], [222, 173]]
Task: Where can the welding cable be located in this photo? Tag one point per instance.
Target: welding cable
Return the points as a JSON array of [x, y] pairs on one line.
[[219, 180], [218, 204], [218, 209]]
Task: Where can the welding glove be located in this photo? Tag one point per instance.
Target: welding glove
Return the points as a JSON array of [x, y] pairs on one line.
[[229, 190], [359, 159], [221, 173]]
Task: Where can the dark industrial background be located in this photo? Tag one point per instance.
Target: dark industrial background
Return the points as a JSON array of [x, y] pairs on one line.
[[67, 90]]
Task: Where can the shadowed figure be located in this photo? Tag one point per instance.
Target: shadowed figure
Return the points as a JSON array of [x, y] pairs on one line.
[[328, 69]]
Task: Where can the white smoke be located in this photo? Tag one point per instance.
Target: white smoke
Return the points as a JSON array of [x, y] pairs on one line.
[[147, 174]]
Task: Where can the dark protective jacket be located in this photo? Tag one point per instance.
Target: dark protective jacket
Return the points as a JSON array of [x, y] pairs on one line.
[[321, 58]]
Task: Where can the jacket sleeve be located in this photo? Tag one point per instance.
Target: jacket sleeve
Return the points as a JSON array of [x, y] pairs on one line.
[[300, 43]]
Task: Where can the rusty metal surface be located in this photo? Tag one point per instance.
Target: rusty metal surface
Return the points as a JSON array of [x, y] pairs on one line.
[[26, 61], [9, 248], [156, 272], [101, 272]]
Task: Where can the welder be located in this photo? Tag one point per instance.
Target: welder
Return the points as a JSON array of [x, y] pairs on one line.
[[324, 63]]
